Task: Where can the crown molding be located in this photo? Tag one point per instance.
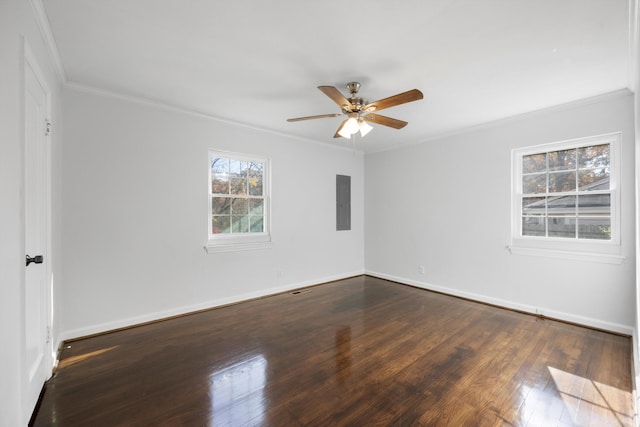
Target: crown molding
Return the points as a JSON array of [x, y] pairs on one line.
[[620, 93], [163, 106], [49, 41]]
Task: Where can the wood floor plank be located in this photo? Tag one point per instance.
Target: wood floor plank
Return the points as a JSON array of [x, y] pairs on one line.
[[357, 352]]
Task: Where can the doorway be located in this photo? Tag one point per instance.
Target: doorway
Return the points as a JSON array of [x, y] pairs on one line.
[[37, 351]]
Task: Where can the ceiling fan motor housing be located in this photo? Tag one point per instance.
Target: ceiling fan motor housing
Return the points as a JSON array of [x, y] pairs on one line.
[[357, 105]]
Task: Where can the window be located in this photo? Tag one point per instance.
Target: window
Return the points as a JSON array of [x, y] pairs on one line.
[[565, 196], [238, 202]]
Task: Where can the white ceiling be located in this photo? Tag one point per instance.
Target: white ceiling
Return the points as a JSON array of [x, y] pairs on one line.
[[259, 62]]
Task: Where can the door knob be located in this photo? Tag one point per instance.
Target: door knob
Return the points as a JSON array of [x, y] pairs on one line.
[[36, 259]]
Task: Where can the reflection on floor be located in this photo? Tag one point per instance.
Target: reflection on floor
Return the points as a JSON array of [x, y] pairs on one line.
[[237, 392]]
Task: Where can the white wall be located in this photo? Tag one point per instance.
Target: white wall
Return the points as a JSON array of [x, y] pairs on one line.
[[17, 25], [636, 335], [135, 214], [445, 204]]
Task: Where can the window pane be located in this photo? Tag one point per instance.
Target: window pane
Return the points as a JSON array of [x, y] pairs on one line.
[[534, 163], [562, 226], [239, 186], [533, 226], [561, 206], [562, 160], [532, 184], [595, 228], [240, 207], [219, 165], [220, 206], [593, 179], [255, 186], [256, 206], [256, 224], [238, 181], [562, 181], [220, 185], [240, 223], [533, 205], [255, 178], [220, 224], [596, 156], [219, 175], [594, 204], [238, 168]]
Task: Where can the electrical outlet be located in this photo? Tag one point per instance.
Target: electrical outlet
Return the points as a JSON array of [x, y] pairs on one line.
[[421, 269]]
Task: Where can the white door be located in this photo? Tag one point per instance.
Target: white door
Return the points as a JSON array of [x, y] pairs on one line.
[[37, 294]]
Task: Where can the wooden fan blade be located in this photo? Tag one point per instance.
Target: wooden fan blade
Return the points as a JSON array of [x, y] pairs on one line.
[[337, 135], [392, 101], [336, 96], [321, 116], [385, 121]]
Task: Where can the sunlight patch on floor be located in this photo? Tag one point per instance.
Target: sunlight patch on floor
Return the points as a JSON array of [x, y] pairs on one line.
[[70, 361], [589, 402]]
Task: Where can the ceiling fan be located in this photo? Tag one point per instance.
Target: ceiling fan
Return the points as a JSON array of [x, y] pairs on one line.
[[360, 112]]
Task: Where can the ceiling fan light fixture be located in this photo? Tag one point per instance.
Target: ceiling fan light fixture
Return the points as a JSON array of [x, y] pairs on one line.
[[343, 133], [349, 128], [365, 127]]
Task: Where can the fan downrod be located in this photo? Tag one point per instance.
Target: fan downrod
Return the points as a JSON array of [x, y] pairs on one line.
[[357, 103]]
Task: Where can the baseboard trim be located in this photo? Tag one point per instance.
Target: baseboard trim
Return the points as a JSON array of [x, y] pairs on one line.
[[107, 327], [537, 311]]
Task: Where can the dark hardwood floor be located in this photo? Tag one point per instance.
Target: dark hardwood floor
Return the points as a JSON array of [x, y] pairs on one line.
[[357, 352]]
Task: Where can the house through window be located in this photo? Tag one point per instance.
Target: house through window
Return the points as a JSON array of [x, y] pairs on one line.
[[567, 192]]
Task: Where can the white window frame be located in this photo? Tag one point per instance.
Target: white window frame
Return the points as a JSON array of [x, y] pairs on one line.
[[608, 251], [240, 241]]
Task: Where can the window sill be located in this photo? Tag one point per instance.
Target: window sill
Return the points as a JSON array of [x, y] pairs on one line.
[[214, 248], [571, 255]]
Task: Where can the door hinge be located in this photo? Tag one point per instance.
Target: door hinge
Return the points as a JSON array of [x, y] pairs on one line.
[[48, 334], [47, 127]]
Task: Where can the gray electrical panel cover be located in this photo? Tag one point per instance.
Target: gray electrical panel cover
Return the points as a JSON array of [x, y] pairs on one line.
[[343, 202]]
